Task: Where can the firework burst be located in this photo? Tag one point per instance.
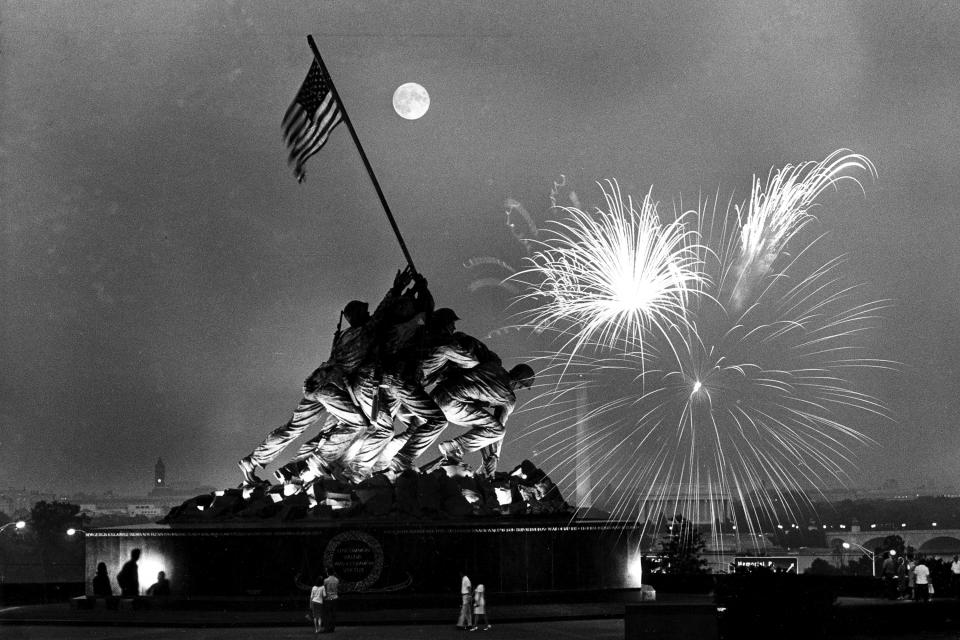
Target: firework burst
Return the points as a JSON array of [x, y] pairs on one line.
[[611, 277], [737, 406], [777, 212]]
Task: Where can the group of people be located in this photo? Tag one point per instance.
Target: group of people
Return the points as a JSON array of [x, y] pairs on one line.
[[407, 364], [907, 578], [473, 606], [322, 601], [128, 579]]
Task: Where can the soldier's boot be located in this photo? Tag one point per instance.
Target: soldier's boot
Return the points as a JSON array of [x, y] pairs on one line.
[[399, 464], [250, 479], [291, 473], [489, 466], [450, 452]]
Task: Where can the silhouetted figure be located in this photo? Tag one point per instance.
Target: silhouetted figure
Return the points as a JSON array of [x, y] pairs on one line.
[[314, 600], [480, 608], [101, 582], [318, 594], [161, 587], [903, 578], [330, 596], [889, 574], [911, 578], [955, 577], [465, 620], [129, 576], [922, 573]]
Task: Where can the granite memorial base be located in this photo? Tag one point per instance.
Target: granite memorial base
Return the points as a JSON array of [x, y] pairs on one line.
[[259, 561], [666, 621]]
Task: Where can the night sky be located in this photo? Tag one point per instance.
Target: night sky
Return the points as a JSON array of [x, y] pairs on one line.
[[167, 284]]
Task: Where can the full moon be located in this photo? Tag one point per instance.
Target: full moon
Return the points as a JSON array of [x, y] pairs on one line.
[[411, 101]]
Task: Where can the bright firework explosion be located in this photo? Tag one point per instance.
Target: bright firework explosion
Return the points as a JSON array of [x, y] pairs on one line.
[[741, 397], [611, 277]]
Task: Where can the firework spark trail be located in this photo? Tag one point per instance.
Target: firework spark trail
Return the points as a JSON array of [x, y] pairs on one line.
[[524, 235], [741, 388], [611, 277], [777, 212]]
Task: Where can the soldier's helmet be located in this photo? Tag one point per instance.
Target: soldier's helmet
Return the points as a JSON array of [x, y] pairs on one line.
[[524, 374], [355, 309], [443, 316]]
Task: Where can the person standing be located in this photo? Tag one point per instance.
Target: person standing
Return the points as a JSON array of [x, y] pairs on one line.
[[902, 578], [911, 578], [101, 582], [465, 621], [480, 609], [889, 572], [129, 576], [317, 593], [922, 573], [314, 599], [331, 586], [955, 577]]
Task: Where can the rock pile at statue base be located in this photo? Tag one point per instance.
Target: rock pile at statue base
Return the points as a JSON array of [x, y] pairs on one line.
[[449, 492]]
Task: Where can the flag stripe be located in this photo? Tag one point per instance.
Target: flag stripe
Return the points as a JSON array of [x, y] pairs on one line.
[[312, 149], [313, 139], [309, 139], [318, 123]]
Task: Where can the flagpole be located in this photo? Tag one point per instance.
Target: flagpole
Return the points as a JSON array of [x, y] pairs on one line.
[[363, 156]]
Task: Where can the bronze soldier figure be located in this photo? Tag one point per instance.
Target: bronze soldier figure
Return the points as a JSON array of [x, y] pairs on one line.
[[332, 388], [481, 398]]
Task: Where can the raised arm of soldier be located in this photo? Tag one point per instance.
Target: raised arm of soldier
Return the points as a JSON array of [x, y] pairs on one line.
[[400, 281], [422, 295]]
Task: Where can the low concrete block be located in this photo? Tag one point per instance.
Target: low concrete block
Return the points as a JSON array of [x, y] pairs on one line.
[[656, 621]]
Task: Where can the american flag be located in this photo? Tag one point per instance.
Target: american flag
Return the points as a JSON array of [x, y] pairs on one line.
[[310, 119]]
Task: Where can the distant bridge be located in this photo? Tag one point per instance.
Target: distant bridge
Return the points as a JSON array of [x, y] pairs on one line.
[[929, 541]]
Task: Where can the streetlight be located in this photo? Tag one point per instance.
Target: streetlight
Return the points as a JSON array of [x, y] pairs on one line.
[[73, 531], [873, 560], [19, 524]]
